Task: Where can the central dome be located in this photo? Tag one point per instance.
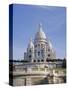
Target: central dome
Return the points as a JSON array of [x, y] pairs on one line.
[[40, 34]]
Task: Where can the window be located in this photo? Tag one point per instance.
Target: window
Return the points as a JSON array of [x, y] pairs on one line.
[[48, 49], [35, 46], [30, 56], [38, 60], [42, 45], [38, 53], [34, 60], [42, 60], [48, 55], [30, 50]]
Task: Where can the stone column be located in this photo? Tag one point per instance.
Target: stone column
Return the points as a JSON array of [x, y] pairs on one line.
[[28, 81]]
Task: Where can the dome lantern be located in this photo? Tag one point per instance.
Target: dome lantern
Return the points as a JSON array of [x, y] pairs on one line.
[[40, 34]]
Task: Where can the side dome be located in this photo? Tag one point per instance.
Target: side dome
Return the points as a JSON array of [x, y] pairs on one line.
[[40, 34], [50, 46], [30, 45]]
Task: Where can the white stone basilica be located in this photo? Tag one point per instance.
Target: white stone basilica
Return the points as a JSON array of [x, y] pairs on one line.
[[39, 50]]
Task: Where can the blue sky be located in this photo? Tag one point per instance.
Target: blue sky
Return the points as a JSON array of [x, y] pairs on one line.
[[25, 25]]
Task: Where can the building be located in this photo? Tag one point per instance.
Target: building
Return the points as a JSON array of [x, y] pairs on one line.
[[40, 49], [39, 68]]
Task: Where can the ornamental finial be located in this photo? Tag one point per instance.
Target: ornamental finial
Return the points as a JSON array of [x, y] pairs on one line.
[[40, 26]]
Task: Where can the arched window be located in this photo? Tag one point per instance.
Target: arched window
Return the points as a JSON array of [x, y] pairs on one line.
[[38, 53], [34, 60], [42, 45], [29, 56], [30, 50], [42, 60], [38, 60], [48, 55]]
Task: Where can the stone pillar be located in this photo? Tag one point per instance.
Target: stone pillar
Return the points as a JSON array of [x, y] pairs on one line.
[[28, 81]]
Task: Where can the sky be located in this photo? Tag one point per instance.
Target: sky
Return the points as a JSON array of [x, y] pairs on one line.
[[26, 19]]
